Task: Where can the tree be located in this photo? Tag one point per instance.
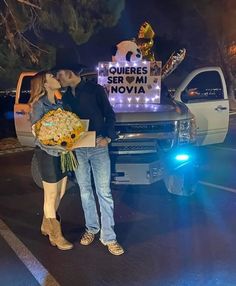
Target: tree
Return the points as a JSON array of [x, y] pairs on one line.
[[31, 29], [207, 29], [218, 18]]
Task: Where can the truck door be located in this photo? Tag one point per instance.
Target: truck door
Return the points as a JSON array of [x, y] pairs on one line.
[[22, 110], [204, 92]]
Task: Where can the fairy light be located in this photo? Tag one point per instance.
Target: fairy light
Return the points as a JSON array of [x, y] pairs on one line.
[[129, 92]]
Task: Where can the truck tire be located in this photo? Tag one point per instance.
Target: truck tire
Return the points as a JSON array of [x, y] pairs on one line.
[[38, 180], [182, 182], [35, 172]]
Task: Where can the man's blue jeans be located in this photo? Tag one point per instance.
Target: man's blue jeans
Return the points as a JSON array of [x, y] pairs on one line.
[[98, 159]]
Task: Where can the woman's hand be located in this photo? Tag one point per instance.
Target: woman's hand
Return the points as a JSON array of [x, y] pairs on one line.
[[33, 130]]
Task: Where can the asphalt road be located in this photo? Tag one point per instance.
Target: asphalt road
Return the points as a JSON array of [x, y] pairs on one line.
[[169, 240]]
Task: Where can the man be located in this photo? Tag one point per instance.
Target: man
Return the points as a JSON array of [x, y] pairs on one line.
[[89, 101]]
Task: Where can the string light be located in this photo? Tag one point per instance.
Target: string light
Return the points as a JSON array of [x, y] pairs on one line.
[[127, 86]]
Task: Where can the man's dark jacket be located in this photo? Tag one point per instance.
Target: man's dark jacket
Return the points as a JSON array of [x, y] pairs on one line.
[[91, 102]]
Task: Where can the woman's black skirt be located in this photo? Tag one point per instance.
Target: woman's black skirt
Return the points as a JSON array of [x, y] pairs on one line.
[[49, 166]]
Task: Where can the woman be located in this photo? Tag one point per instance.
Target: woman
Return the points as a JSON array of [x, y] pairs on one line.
[[44, 87]]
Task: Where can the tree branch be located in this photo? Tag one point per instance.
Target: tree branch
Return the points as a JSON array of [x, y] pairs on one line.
[[29, 3], [16, 38]]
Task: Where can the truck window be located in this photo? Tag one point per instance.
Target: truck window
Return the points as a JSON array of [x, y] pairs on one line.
[[25, 90], [205, 86], [90, 77]]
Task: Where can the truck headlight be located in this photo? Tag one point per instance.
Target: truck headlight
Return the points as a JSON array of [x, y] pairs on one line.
[[187, 131], [182, 157]]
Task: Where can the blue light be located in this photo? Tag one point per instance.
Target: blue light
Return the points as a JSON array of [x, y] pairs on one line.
[[182, 157]]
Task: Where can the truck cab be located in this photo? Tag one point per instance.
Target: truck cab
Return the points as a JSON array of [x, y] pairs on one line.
[[204, 92], [155, 141]]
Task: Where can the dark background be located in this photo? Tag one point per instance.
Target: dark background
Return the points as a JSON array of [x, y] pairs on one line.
[[7, 128], [98, 48]]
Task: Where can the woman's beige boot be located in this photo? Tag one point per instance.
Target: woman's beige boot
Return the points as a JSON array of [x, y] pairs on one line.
[[45, 226], [55, 236]]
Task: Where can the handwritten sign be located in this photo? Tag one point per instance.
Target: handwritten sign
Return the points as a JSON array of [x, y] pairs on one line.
[[131, 83]]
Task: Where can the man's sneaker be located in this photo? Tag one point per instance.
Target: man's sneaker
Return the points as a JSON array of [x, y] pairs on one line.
[[115, 248], [87, 238]]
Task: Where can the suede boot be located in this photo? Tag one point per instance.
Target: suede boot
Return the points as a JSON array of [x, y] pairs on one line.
[[45, 226], [55, 236]]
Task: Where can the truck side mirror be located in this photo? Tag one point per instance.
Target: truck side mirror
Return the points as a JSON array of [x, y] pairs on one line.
[[184, 96]]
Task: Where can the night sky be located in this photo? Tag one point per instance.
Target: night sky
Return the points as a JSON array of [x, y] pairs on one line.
[[98, 48], [175, 26]]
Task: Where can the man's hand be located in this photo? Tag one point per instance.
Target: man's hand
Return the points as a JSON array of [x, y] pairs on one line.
[[102, 142]]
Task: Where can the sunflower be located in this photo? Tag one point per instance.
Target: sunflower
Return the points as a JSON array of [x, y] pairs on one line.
[[59, 128]]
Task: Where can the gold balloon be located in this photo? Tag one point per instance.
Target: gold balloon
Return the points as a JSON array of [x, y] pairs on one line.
[[145, 41]]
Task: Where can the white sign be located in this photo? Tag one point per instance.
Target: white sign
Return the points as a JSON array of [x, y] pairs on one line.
[[131, 83]]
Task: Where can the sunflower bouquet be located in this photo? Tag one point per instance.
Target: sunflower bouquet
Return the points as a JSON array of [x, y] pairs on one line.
[[60, 129]]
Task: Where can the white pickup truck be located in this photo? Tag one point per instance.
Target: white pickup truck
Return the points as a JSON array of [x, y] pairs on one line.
[[155, 144]]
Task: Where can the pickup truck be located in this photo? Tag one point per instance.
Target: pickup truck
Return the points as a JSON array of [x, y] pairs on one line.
[[158, 143]]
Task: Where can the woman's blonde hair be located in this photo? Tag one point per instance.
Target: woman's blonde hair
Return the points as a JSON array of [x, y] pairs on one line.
[[37, 88]]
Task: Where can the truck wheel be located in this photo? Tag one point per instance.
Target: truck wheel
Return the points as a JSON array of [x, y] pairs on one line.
[[38, 180], [35, 172], [181, 182]]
